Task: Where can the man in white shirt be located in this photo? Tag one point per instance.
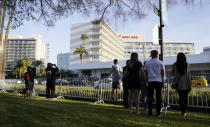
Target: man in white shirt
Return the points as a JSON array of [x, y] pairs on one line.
[[154, 70], [116, 70]]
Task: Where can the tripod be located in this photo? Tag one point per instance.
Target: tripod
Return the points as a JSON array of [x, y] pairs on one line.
[[60, 90]]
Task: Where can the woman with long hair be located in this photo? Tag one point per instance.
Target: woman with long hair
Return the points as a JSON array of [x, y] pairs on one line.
[[181, 73], [135, 75]]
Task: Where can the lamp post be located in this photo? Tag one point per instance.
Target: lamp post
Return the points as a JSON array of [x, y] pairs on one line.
[[161, 31]]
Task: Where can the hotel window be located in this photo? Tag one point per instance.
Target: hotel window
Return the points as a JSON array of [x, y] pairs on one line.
[[95, 57], [95, 51], [95, 37], [95, 44]]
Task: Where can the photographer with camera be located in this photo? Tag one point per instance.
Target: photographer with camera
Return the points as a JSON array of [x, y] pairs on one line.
[[51, 72]]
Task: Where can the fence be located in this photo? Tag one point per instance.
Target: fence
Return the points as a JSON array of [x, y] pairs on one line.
[[93, 88]]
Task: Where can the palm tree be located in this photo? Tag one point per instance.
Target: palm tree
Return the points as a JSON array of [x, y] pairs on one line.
[[84, 38], [17, 68], [81, 51], [26, 63], [38, 64]]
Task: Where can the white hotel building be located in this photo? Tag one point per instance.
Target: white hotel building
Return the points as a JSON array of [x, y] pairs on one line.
[[106, 45], [18, 47], [103, 43]]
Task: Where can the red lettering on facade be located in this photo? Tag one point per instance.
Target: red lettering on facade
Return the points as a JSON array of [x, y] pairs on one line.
[[133, 37]]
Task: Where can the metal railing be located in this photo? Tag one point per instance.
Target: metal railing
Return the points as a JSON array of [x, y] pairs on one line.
[[93, 88]]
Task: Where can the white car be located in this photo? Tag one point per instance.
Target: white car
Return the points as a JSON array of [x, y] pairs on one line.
[[19, 82]]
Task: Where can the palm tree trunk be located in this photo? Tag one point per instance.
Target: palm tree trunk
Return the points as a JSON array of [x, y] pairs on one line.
[[6, 37], [2, 17], [81, 58]]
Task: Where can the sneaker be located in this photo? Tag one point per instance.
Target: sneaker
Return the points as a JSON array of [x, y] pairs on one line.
[[131, 111], [158, 115], [137, 113], [118, 99]]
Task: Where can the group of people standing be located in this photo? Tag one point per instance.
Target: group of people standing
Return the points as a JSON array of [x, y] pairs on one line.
[[29, 77], [147, 78]]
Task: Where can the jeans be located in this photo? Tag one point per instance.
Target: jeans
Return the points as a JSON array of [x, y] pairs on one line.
[[144, 97], [183, 100], [158, 88]]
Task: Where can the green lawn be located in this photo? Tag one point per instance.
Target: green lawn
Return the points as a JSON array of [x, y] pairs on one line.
[[15, 111]]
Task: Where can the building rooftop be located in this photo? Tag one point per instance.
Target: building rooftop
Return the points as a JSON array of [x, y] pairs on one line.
[[192, 59], [206, 47]]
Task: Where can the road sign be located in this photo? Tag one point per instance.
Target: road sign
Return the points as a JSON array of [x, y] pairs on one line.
[[164, 12], [155, 34]]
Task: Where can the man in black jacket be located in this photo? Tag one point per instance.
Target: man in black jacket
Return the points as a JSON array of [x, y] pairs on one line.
[[51, 71]]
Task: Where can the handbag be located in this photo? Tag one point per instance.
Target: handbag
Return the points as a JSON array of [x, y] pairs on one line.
[[174, 84]]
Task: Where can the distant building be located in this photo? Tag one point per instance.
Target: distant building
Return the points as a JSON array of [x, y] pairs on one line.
[[18, 47], [63, 61], [136, 43], [206, 49], [104, 44]]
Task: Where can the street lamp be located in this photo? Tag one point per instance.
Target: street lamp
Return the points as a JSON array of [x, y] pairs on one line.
[[161, 31]]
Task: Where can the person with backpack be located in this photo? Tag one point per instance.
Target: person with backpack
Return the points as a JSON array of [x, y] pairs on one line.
[[51, 72], [135, 75], [154, 70], [182, 80], [28, 84]]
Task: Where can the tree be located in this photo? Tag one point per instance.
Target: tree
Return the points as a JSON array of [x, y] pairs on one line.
[[42, 72], [21, 66], [67, 73], [26, 63], [16, 12], [38, 64], [17, 68], [84, 38], [81, 51]]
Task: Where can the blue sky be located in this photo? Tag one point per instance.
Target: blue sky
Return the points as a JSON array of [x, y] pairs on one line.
[[185, 23]]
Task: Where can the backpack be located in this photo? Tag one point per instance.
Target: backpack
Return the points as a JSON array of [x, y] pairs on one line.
[[49, 74]]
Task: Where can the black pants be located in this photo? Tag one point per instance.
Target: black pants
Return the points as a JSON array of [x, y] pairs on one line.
[[183, 100], [158, 88], [125, 96], [50, 91]]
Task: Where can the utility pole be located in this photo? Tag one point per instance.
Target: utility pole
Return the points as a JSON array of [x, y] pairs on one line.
[[161, 31]]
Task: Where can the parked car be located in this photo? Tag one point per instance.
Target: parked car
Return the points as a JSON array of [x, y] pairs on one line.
[[19, 82], [44, 82], [105, 84], [199, 81], [79, 82]]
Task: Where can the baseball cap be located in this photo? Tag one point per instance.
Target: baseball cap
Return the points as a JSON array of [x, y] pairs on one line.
[[154, 53]]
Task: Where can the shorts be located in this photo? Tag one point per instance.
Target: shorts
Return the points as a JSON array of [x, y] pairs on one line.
[[115, 85]]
